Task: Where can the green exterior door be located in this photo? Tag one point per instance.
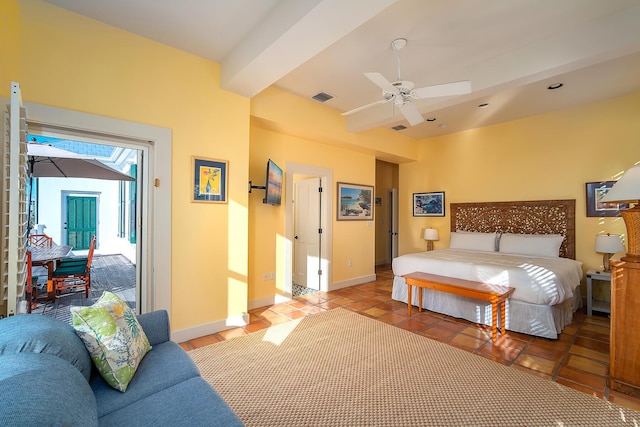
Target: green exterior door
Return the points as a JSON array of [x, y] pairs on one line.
[[81, 221]]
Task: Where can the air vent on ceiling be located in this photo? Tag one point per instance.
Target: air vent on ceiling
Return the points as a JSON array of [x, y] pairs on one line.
[[399, 127], [322, 97]]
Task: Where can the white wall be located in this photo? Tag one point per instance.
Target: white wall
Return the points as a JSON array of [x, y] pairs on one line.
[[52, 193]]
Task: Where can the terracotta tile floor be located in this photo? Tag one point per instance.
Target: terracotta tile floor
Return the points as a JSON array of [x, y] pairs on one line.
[[579, 358]]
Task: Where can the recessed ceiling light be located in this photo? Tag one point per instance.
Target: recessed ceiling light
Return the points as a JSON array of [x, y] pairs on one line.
[[555, 86], [431, 119], [483, 105]]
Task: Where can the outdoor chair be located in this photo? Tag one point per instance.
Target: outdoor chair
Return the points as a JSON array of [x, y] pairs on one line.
[[74, 275], [40, 240], [31, 286]]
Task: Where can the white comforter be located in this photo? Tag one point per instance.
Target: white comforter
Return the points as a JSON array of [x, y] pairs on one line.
[[537, 280]]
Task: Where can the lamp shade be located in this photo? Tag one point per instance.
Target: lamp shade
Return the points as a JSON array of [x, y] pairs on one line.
[[609, 243], [627, 189], [431, 234]]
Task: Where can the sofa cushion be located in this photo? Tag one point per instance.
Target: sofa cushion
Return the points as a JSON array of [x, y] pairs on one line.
[[114, 338], [166, 365], [193, 401], [33, 333], [156, 326], [43, 389]]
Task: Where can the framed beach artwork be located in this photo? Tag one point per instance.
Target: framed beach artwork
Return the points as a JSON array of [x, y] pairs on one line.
[[209, 180], [595, 192], [354, 202], [428, 204]]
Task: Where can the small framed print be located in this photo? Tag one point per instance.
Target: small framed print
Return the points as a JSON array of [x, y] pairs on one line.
[[354, 202], [428, 204], [595, 193], [209, 180]]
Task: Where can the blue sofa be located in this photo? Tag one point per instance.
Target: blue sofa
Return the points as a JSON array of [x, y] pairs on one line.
[[47, 378]]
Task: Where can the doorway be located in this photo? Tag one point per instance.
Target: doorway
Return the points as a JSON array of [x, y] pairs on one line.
[[318, 267], [153, 223], [393, 224], [73, 210], [307, 243], [80, 220]]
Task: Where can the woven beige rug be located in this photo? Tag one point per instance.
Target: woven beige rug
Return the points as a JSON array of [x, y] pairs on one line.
[[339, 368]]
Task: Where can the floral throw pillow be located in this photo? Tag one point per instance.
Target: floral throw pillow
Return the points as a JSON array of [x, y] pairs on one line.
[[114, 338]]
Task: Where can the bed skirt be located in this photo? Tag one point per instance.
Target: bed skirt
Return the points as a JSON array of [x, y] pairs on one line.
[[539, 320]]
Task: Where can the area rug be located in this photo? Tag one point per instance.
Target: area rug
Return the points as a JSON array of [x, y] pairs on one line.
[[339, 368]]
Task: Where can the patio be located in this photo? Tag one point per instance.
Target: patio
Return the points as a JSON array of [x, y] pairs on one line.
[[113, 273]]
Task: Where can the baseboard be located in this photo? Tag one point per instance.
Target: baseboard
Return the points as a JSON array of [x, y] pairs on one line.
[[187, 334], [263, 302], [383, 262], [352, 282]]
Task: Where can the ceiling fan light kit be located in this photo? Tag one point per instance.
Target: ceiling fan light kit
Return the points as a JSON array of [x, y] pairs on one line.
[[403, 92]]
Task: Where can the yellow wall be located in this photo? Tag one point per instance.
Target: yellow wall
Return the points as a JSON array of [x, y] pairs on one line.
[[219, 252], [69, 61], [351, 240], [549, 156], [288, 128]]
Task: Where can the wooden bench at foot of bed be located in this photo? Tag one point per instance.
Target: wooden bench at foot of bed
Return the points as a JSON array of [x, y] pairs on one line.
[[495, 294]]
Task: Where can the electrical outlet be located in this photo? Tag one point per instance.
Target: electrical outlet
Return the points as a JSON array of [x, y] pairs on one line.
[[349, 263], [273, 275], [265, 276]]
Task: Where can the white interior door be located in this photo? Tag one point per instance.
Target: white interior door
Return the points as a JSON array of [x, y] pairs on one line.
[[393, 222], [307, 226]]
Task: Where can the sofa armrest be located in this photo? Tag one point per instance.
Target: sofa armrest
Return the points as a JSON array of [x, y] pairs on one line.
[[155, 326]]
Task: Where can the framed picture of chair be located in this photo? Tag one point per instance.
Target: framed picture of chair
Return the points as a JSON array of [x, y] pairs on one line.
[[209, 180]]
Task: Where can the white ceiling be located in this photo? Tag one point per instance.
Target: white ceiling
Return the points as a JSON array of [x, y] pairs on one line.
[[510, 50]]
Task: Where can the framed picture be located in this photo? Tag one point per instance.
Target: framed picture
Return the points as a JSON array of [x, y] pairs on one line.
[[595, 192], [428, 204], [210, 178], [354, 202]]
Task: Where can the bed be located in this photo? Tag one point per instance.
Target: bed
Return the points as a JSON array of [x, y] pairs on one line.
[[528, 245]]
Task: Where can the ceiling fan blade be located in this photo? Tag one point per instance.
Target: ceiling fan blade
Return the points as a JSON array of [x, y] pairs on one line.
[[381, 82], [355, 110], [411, 113], [446, 89]]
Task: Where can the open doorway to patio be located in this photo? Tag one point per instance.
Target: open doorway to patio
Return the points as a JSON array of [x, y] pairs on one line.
[[73, 210], [154, 177]]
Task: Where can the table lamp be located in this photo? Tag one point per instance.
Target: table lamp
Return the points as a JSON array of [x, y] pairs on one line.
[[608, 244], [430, 234], [627, 189]]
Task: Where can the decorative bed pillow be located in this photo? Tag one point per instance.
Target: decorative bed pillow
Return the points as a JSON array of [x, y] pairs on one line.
[[114, 338], [531, 244], [473, 241]]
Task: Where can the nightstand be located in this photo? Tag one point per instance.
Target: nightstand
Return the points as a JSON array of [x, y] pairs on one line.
[[601, 306]]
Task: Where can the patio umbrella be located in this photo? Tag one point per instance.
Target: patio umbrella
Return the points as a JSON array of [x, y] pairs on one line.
[[52, 162]]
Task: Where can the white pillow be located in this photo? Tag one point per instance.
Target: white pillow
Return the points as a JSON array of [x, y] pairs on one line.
[[531, 244], [473, 241]]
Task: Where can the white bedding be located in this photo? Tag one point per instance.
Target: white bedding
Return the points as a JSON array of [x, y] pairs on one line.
[[537, 280]]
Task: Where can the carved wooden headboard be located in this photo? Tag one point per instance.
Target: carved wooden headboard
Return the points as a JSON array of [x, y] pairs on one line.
[[530, 217]]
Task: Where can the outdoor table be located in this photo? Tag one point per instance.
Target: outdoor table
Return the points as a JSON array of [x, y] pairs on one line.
[[47, 257]]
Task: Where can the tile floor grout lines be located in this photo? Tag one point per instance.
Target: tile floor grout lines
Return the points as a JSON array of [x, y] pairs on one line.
[[579, 358]]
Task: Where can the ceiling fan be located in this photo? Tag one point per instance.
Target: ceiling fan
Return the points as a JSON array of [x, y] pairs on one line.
[[403, 92]]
